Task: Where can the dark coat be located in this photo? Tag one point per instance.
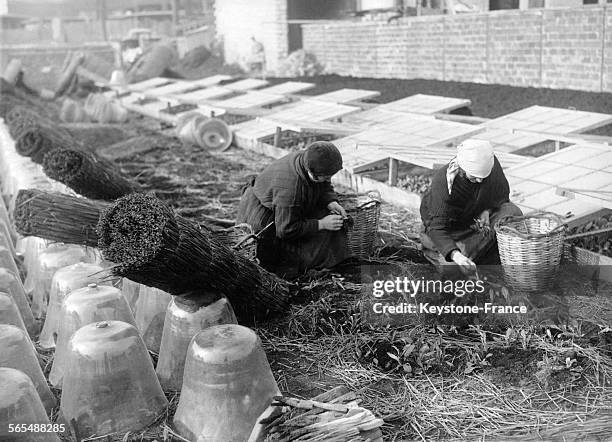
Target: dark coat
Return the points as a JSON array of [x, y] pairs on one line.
[[443, 213], [284, 193], [297, 202]]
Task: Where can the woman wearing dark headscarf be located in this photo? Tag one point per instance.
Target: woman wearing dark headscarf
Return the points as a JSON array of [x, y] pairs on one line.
[[295, 194]]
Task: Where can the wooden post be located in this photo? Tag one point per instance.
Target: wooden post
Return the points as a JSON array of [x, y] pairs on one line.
[[277, 136], [393, 168]]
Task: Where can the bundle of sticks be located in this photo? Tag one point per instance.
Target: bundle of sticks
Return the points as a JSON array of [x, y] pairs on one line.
[[35, 135], [12, 96], [154, 247], [57, 217], [333, 416], [8, 102], [87, 174]]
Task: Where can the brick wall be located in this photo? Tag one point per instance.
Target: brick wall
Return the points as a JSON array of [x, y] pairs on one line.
[[606, 79], [573, 42], [515, 49], [237, 20], [552, 48]]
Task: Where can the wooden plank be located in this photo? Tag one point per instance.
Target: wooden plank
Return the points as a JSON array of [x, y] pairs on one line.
[[250, 99], [393, 168], [297, 113], [169, 89], [210, 81], [466, 119], [203, 94], [150, 83], [572, 138], [426, 104], [315, 127], [600, 199], [345, 95], [288, 87], [246, 84]]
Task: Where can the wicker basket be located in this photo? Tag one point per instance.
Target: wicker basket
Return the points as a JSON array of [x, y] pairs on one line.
[[235, 237], [530, 249], [362, 231]]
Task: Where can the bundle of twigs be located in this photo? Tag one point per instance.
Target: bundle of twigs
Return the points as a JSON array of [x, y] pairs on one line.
[[20, 118], [7, 103], [36, 135], [57, 217], [86, 174], [154, 247], [12, 96]]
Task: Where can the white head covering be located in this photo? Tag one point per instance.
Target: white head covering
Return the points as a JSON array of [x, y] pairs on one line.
[[473, 156]]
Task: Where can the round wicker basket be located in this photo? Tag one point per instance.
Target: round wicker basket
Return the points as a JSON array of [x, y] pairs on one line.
[[235, 237], [530, 249], [362, 230]]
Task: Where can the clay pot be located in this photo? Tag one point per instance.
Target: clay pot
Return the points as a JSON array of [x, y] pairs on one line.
[[180, 327], [21, 405], [64, 281], [81, 307], [17, 351], [72, 112], [227, 384], [186, 126], [110, 384]]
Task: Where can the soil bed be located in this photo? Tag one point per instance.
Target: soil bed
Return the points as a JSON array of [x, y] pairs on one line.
[[294, 141], [427, 379]]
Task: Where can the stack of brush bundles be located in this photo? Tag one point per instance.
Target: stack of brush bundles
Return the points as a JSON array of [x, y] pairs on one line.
[[57, 217], [36, 135], [152, 246]]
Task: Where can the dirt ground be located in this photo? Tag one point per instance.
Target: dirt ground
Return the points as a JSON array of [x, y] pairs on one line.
[[427, 377]]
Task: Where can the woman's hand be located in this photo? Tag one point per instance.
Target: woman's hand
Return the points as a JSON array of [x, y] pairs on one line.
[[466, 265], [484, 218], [336, 208], [331, 222]]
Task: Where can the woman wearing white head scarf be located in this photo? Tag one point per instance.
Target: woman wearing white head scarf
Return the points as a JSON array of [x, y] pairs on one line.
[[465, 199]]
